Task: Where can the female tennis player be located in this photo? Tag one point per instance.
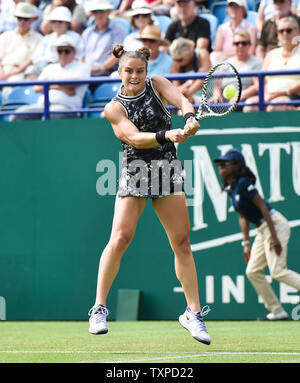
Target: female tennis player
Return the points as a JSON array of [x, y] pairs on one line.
[[273, 232], [141, 120]]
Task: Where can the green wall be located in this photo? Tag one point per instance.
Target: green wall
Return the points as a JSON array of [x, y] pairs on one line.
[[55, 218]]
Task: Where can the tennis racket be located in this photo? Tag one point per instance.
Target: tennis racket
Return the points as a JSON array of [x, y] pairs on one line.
[[221, 92]]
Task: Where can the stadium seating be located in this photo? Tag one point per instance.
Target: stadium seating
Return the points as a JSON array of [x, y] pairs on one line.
[[20, 95], [213, 21], [102, 95], [218, 9], [162, 22], [125, 24]]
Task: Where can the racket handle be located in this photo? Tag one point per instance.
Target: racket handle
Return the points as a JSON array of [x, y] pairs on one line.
[[195, 122]]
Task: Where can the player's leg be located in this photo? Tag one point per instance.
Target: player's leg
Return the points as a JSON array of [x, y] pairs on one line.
[[173, 214], [126, 215]]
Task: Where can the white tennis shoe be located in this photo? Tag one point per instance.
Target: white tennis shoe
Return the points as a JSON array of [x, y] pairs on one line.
[[194, 323], [97, 320]]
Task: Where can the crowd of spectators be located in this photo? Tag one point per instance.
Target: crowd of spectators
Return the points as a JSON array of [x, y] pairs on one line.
[[73, 39]]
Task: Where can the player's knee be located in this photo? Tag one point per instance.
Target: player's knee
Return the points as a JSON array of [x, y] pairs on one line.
[[182, 243], [120, 241]]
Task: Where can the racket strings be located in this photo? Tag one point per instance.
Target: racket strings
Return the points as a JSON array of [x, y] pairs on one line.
[[221, 77]]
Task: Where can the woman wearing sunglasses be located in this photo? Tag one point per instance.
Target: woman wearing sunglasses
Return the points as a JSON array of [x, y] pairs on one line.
[[244, 61], [269, 248], [140, 16], [282, 88]]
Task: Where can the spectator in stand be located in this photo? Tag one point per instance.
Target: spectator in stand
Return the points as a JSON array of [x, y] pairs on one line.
[[125, 5], [140, 16], [189, 25], [17, 47], [60, 19], [164, 8], [266, 11], [188, 60], [237, 13], [100, 39], [61, 96], [159, 62], [8, 21], [281, 88], [268, 38], [244, 61], [78, 16], [298, 10]]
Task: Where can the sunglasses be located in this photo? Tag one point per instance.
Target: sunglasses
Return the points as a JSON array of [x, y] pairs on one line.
[[144, 16], [242, 43], [65, 51], [148, 40], [287, 30], [225, 164], [279, 1], [178, 60], [99, 11], [23, 18]]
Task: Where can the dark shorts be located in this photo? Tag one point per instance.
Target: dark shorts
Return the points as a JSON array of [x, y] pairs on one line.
[[151, 180]]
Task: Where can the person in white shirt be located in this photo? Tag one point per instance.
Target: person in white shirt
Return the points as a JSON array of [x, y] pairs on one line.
[[17, 46], [61, 96], [60, 19]]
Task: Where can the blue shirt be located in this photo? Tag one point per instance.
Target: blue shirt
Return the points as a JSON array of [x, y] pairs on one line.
[[161, 65], [241, 194], [99, 45]]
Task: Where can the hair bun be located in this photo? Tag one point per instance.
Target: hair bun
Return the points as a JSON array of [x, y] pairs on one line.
[[118, 51], [145, 51]]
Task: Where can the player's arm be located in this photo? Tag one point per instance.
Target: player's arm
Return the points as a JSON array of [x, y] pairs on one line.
[[244, 225], [127, 132], [168, 92], [260, 203]]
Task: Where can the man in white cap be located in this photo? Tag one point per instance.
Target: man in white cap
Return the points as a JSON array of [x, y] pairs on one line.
[[17, 46], [100, 39], [60, 19], [61, 96]]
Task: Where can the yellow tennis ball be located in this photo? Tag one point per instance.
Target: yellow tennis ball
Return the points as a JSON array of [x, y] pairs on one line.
[[229, 91]]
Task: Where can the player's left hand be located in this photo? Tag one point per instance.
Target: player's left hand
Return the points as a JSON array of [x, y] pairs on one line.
[[191, 128]]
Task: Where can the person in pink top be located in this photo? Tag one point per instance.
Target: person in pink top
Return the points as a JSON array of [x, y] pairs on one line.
[[237, 13]]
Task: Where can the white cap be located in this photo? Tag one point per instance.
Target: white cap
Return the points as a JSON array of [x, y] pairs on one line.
[[241, 3], [66, 41], [139, 7], [25, 10], [95, 5], [60, 14]]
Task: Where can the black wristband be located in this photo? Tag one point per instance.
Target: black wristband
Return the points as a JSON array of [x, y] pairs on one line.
[[188, 115], [161, 137]]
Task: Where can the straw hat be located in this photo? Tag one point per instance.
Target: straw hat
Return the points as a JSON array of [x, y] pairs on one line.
[[60, 14], [153, 33], [25, 10]]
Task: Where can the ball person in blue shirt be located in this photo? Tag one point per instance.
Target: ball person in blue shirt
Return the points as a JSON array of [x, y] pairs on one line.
[[269, 248]]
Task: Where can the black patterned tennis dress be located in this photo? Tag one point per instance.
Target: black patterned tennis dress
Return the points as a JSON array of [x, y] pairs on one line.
[[154, 172]]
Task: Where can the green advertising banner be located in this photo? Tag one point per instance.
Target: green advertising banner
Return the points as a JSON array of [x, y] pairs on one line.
[[58, 186]]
